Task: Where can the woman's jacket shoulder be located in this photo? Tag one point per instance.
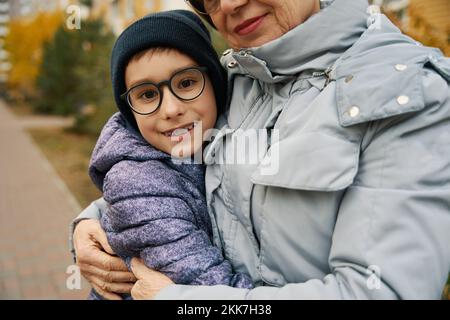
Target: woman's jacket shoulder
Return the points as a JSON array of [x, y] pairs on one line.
[[384, 74]]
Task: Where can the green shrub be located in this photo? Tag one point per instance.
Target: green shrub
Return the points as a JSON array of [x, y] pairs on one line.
[[75, 70], [56, 81]]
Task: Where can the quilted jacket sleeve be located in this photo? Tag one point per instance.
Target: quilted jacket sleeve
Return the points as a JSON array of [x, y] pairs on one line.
[[162, 230]]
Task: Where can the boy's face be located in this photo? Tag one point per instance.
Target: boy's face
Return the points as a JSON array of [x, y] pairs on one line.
[[170, 128]]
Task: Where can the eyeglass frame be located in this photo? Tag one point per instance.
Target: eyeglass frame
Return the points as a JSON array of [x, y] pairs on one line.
[[125, 96], [200, 12]]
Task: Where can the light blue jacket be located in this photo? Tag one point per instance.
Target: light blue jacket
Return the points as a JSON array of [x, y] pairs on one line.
[[358, 205]]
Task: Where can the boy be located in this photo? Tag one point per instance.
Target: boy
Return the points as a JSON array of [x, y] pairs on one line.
[[168, 85]]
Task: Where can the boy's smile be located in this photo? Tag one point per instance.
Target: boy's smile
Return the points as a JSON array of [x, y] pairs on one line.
[[181, 130], [176, 123]]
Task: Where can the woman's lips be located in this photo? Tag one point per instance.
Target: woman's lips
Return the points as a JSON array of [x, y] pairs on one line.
[[248, 26]]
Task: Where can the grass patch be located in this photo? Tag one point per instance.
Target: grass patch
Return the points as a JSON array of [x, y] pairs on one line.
[[69, 153]]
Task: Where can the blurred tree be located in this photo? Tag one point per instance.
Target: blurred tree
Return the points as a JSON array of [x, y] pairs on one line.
[[24, 43], [92, 69], [95, 82], [74, 77], [87, 3], [218, 42], [56, 81]]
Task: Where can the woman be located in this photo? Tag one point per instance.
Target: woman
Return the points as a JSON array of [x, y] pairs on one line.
[[357, 117]]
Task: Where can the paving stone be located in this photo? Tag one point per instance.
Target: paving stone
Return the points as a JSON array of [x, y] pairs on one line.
[[35, 211]]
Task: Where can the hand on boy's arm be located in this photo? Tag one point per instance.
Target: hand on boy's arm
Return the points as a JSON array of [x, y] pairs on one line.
[[149, 282], [106, 272]]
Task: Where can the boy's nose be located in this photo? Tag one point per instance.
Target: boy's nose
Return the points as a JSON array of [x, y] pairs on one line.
[[171, 106]]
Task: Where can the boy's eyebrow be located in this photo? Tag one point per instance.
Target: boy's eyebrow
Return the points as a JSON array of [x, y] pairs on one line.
[[146, 80]]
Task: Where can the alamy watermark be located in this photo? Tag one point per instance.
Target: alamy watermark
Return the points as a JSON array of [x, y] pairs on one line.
[[73, 281], [73, 20], [251, 147]]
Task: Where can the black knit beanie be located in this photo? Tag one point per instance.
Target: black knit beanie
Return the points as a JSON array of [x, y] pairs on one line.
[[178, 29]]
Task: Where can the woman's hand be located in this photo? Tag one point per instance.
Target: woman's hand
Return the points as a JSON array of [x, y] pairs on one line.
[[149, 282], [107, 273]]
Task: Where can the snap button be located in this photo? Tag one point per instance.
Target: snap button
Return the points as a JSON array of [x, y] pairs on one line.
[[402, 100], [401, 67], [348, 78], [232, 64], [353, 111], [227, 52]]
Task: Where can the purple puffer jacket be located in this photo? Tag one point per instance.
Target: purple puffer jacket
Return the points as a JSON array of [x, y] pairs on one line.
[[157, 209]]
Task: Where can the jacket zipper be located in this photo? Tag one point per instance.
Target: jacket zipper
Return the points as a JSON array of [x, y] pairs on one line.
[[326, 73]]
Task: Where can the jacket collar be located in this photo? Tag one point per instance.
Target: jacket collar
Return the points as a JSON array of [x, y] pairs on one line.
[[313, 45]]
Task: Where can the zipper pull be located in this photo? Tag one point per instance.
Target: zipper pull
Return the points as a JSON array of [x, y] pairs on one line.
[[317, 74], [328, 72]]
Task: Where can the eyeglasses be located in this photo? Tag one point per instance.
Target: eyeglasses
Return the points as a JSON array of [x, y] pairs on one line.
[[205, 7], [146, 98]]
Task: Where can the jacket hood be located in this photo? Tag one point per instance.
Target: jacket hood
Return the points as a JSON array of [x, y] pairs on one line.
[[119, 141]]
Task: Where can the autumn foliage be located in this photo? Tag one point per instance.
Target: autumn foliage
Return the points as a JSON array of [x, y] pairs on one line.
[[24, 43]]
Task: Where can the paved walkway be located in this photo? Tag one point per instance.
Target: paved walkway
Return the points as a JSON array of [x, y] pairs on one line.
[[35, 211], [32, 122]]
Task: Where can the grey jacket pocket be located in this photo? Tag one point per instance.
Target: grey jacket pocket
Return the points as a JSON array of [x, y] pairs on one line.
[[309, 161]]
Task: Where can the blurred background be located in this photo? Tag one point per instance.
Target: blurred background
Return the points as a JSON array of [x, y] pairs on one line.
[[55, 96]]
